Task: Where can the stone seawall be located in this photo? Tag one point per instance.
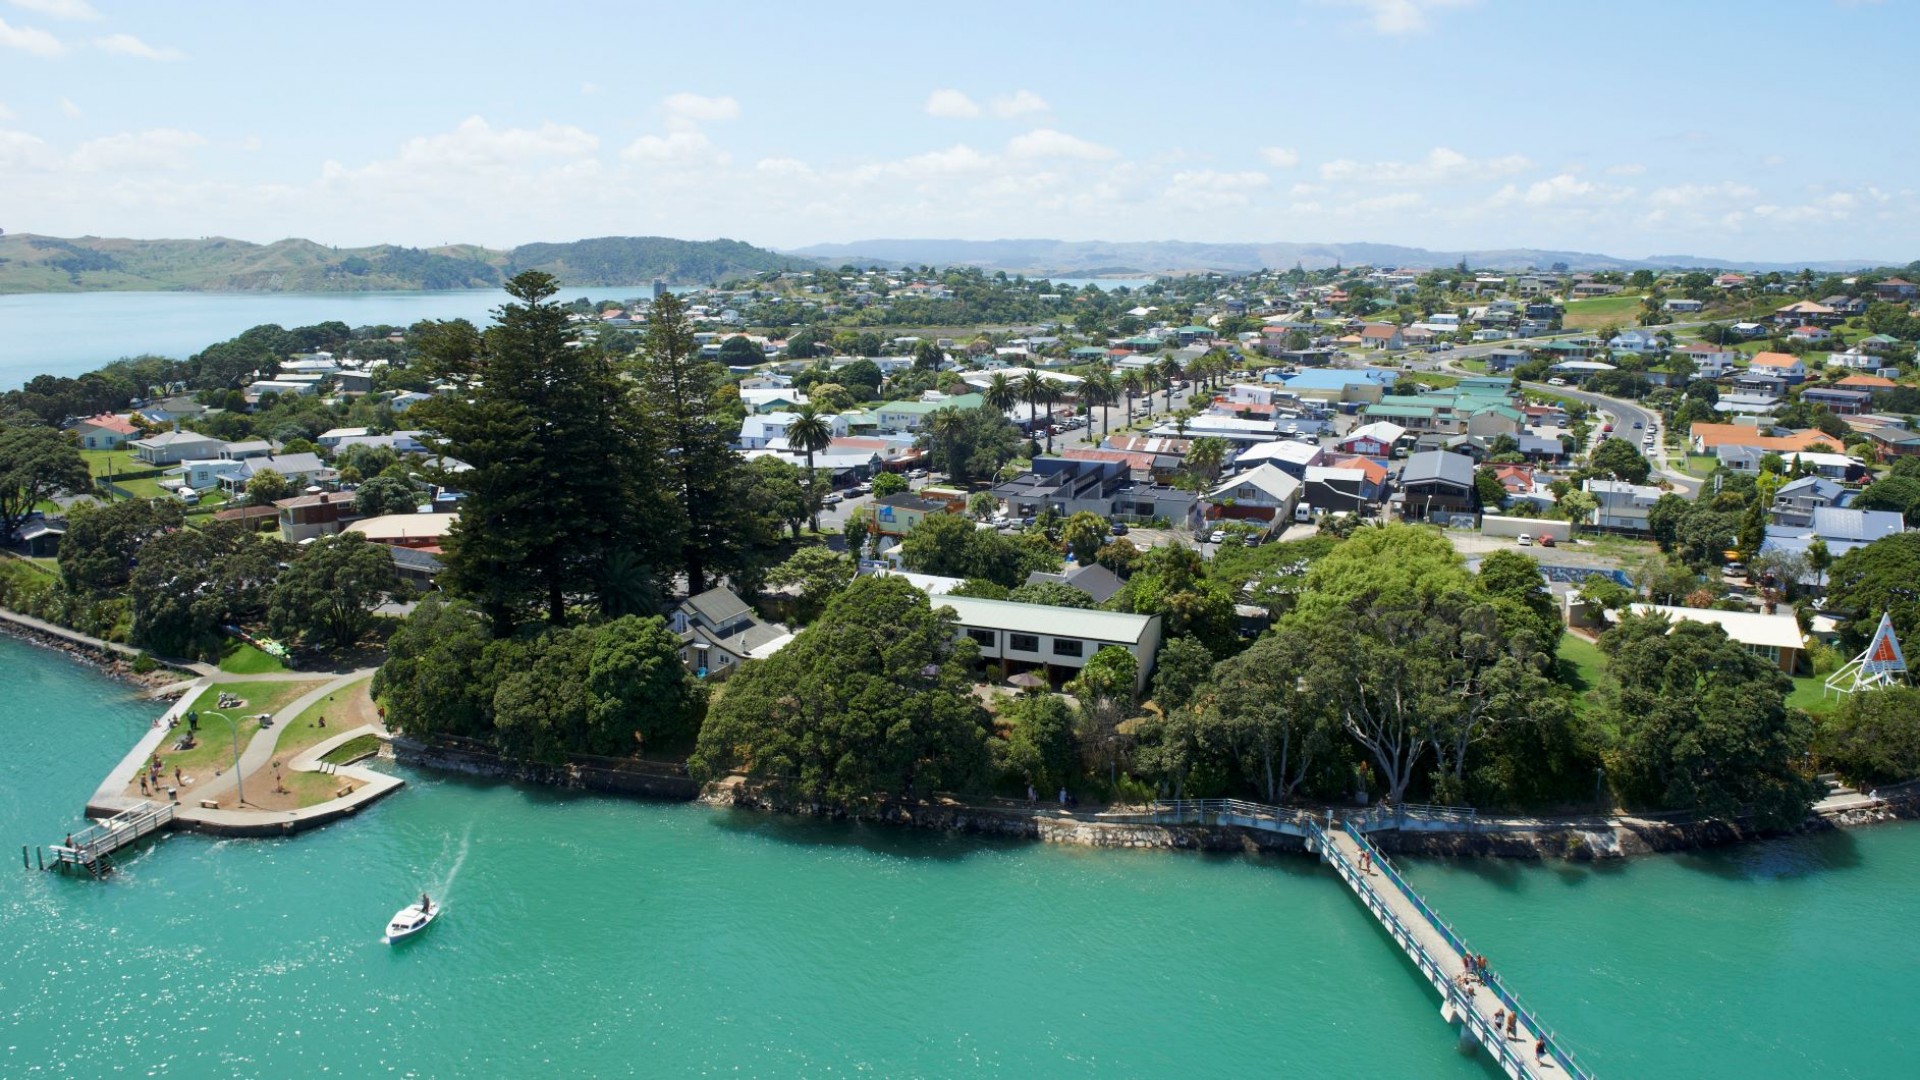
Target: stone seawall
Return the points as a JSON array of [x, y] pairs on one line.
[[1049, 826], [604, 775]]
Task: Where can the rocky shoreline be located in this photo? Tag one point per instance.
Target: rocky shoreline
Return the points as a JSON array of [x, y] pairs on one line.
[[111, 665], [1574, 840]]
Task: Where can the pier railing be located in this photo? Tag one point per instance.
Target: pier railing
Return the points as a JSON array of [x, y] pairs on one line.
[[1395, 815], [91, 843], [1563, 1056]]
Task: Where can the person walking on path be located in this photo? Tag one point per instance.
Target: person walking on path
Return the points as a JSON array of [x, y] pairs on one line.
[[1513, 1025], [1539, 1049], [1499, 1019]]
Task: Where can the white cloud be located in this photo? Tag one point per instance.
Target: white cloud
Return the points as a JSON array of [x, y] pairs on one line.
[[1280, 157], [128, 45], [5, 113], [60, 9], [20, 150], [677, 148], [67, 106], [1441, 165], [1626, 169], [1397, 17], [685, 111], [951, 104], [476, 144], [29, 39], [1048, 143], [1019, 103], [1204, 189], [1694, 196], [160, 148]]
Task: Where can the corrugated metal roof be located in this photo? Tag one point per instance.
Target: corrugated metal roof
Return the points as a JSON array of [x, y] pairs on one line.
[[1111, 626]]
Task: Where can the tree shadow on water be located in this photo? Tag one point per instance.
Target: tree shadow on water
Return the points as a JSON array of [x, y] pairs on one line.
[[1776, 858], [893, 841]]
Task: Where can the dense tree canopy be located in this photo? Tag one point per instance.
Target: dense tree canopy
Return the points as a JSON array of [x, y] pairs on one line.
[[1881, 577], [1700, 723], [873, 698], [327, 597], [36, 463]]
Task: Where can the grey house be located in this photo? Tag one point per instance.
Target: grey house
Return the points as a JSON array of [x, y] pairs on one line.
[[718, 632]]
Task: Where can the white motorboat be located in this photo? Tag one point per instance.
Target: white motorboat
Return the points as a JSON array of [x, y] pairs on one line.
[[409, 921]]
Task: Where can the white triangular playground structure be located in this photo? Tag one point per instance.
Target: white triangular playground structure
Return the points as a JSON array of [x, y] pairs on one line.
[[1881, 665]]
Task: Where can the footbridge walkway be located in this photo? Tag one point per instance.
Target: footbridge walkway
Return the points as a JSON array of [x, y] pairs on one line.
[[1480, 1003]]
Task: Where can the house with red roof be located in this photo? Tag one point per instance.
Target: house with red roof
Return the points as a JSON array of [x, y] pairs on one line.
[[1896, 290], [1382, 336], [1810, 334], [104, 432]]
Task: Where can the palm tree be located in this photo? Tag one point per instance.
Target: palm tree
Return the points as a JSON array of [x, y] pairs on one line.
[[1049, 393], [1032, 388], [1132, 382], [1099, 390], [1000, 393], [1169, 371], [808, 433], [1207, 454], [945, 426]]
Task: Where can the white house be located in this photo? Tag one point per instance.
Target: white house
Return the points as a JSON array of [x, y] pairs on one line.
[[758, 432], [1265, 493], [173, 447], [1621, 505], [1054, 637]]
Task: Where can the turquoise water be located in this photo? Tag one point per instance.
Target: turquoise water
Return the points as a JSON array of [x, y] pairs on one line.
[[589, 936], [73, 333]]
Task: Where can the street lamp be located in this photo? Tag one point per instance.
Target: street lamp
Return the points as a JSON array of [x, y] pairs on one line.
[[239, 781]]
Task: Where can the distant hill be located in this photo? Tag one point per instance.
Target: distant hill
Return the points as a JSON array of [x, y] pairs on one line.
[[30, 263], [1065, 258]]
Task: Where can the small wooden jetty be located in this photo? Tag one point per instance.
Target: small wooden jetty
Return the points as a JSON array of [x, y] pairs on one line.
[[92, 849]]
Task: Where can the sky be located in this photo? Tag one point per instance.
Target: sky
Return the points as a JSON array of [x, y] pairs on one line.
[[1741, 130]]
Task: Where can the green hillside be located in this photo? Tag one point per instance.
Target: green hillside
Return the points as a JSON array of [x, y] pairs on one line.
[[30, 263], [636, 260]]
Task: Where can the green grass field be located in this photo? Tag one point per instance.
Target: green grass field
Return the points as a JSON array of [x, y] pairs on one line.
[[240, 658], [305, 730], [1622, 311], [1809, 693], [356, 747], [1581, 664]]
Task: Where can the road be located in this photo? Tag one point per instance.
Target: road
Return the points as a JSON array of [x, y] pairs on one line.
[[1629, 419]]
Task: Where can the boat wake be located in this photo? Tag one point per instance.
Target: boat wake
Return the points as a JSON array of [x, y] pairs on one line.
[[442, 889]]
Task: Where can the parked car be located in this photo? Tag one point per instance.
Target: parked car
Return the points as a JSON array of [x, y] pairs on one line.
[[1546, 540], [1118, 528], [1218, 536], [1525, 540], [832, 498]]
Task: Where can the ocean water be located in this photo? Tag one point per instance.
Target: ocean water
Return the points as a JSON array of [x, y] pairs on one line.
[[73, 333], [588, 936]]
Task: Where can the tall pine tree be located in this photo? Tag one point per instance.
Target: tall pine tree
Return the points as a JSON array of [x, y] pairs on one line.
[[704, 481], [561, 479]]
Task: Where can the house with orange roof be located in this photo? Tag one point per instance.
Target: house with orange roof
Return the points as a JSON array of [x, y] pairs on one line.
[[1810, 334], [1867, 382], [104, 432], [1382, 336], [1780, 365], [1708, 437]]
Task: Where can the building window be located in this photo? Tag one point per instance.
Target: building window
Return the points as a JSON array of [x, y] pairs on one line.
[[987, 638], [1068, 647], [1023, 643]]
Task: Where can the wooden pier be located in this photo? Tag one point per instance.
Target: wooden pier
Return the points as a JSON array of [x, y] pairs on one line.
[[92, 849], [1481, 1003]]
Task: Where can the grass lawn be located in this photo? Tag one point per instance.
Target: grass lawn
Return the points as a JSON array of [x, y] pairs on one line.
[[1475, 364], [117, 463], [1622, 311], [214, 749], [1702, 464], [312, 788], [1809, 693], [305, 730], [240, 658], [353, 748], [1580, 664]]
